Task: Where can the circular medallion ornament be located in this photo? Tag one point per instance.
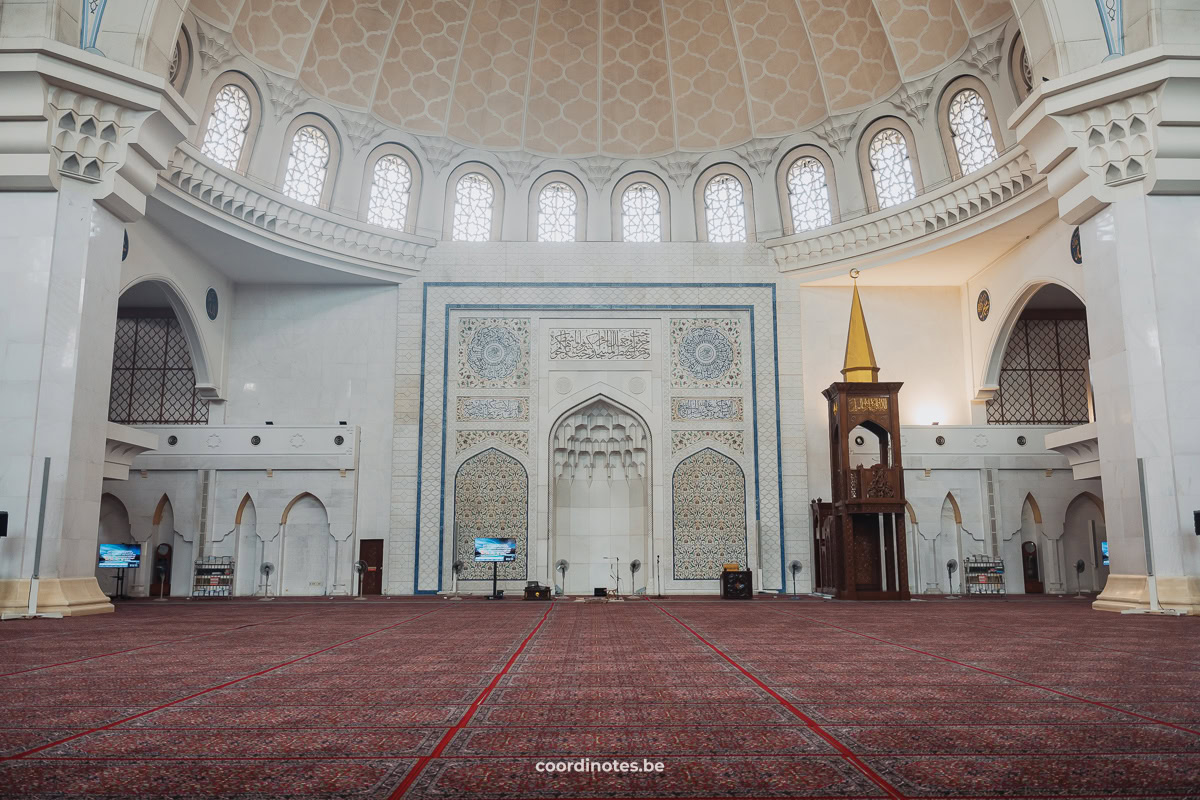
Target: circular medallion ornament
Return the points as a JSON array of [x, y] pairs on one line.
[[637, 385], [1076, 248], [705, 353], [494, 352], [210, 303], [983, 306]]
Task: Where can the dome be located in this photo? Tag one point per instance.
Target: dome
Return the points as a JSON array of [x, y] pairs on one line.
[[623, 78]]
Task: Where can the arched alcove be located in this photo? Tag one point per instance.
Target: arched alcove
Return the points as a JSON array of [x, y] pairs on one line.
[[1085, 539], [600, 486], [708, 510], [248, 555], [170, 551], [491, 499], [1033, 555], [306, 548], [1039, 360], [114, 529], [158, 359]]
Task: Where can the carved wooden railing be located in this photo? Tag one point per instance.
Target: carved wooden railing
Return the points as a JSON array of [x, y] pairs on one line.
[[1010, 175], [258, 207]]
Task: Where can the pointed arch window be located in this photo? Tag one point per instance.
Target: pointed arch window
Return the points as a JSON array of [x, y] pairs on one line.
[[474, 205], [725, 209], [228, 128], [557, 207], [391, 189], [891, 168], [308, 165]]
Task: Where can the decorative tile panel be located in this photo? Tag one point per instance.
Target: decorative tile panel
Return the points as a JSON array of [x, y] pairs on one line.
[[706, 352], [493, 352], [489, 408], [708, 515], [517, 440], [705, 409], [491, 498], [682, 440], [599, 344]]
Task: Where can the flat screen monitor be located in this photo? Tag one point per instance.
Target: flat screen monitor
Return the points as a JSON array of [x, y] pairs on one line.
[[1104, 553], [495, 549], [121, 555]]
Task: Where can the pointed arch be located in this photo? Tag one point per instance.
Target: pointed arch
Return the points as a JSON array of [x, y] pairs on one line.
[[237, 519], [288, 509], [1012, 314], [954, 505], [912, 513], [187, 319], [1033, 507], [491, 498], [708, 515], [1091, 498], [163, 503]]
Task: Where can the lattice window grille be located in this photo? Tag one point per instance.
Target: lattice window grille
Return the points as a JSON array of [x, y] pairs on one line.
[[1026, 71], [808, 195], [971, 131], [153, 382], [474, 204], [227, 126], [307, 166], [557, 208], [173, 70], [891, 168], [725, 209], [391, 185], [641, 214], [1043, 375]]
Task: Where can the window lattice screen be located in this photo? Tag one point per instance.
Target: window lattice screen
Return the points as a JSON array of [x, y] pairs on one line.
[[1043, 378], [153, 382]]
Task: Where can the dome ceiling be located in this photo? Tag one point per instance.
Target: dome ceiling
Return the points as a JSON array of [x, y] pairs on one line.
[[618, 77]]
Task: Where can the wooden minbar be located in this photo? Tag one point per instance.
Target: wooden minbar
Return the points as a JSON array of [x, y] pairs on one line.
[[859, 544]]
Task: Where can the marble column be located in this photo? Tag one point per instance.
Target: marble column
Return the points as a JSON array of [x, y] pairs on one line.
[[81, 143]]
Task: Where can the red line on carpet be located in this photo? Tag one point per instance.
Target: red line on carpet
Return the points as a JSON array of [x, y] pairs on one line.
[[210, 689], [1084, 644], [156, 644], [997, 674], [845, 752], [415, 772]]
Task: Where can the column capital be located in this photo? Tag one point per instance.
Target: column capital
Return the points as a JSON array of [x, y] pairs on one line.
[[1131, 125], [72, 115]]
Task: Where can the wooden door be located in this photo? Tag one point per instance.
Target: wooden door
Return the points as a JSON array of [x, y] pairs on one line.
[[160, 574], [371, 551], [1030, 568]]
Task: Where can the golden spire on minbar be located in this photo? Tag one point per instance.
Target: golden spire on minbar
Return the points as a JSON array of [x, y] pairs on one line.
[[860, 366]]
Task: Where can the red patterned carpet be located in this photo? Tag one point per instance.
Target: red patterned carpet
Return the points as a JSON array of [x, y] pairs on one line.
[[765, 699]]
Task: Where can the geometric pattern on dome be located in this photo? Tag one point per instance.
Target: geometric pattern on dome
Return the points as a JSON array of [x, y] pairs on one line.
[[891, 169], [808, 195], [641, 214], [390, 187], [725, 209], [307, 166], [227, 125], [623, 77], [971, 131], [474, 199], [557, 206]]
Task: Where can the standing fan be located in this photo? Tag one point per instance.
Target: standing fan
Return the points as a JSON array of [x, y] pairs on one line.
[[634, 566], [457, 568], [1079, 567], [266, 568], [951, 566], [561, 566], [360, 567], [795, 568]]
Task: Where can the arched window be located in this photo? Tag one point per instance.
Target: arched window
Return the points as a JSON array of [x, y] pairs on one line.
[[724, 203], [308, 166], [391, 186], [180, 67], [808, 197], [888, 155], [641, 214], [557, 206], [641, 209], [474, 205], [228, 128], [968, 122], [1018, 66]]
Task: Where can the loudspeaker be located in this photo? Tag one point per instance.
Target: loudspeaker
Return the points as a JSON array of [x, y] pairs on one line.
[[1195, 522], [600, 591], [4, 523]]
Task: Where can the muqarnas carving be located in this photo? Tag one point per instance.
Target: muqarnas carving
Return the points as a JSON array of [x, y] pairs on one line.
[[491, 498], [493, 352], [708, 493], [706, 353]]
